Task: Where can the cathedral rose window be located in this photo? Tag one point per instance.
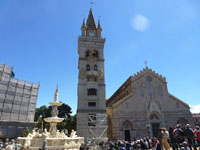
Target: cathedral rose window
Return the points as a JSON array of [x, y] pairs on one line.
[[149, 78]]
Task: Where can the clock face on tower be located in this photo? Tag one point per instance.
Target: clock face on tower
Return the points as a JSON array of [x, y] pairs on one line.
[[91, 34]]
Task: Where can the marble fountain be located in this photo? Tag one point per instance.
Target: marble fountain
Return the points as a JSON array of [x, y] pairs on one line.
[[54, 139]]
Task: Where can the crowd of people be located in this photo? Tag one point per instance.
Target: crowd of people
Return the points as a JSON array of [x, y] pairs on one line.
[[177, 138]]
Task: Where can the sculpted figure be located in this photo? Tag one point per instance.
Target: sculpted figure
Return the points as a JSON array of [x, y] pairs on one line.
[[37, 134], [33, 132], [27, 144], [30, 135], [82, 73], [92, 52], [45, 133], [62, 134], [57, 133], [73, 134]]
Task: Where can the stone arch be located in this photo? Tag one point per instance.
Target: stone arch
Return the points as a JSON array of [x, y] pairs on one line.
[[154, 115], [155, 120], [182, 121], [127, 125], [127, 128]]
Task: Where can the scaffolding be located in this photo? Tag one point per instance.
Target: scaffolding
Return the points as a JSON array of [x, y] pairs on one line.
[[97, 125], [17, 100]]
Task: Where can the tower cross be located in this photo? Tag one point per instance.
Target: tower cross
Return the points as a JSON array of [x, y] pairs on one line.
[[91, 3]]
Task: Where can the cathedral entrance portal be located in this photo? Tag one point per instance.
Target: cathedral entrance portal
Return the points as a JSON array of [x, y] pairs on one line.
[[155, 127], [127, 130], [127, 135]]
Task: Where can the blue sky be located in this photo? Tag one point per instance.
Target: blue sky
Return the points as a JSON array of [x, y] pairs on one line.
[[39, 39]]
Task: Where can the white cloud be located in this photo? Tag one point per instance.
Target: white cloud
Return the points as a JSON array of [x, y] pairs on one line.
[[195, 109], [140, 23]]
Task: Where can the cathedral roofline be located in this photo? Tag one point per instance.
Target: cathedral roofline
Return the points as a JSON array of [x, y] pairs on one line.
[[178, 100], [112, 99], [147, 70]]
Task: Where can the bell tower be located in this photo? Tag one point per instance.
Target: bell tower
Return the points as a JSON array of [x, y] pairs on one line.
[[91, 110]]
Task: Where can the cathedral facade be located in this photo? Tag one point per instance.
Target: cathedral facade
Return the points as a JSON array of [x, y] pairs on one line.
[[142, 105]]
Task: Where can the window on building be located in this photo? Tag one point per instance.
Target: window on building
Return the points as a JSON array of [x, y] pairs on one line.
[[141, 92], [149, 78], [88, 67], [177, 105], [160, 93], [92, 92], [91, 104], [95, 68], [150, 91], [95, 54], [87, 53]]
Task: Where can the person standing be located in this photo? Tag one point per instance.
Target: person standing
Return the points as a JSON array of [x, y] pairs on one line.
[[160, 138], [172, 139], [178, 135], [165, 139], [189, 135], [197, 135], [185, 146]]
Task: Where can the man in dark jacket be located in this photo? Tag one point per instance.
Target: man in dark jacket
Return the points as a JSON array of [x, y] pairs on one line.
[[178, 135], [189, 135]]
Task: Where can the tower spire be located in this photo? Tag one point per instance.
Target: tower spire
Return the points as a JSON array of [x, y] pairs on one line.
[[83, 25], [99, 24], [83, 28], [91, 25], [99, 29]]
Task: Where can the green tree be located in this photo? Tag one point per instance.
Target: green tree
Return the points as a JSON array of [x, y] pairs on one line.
[[42, 112], [25, 132], [68, 123], [65, 111]]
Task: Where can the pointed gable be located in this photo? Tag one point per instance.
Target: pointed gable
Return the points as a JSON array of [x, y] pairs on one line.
[[148, 71], [91, 25]]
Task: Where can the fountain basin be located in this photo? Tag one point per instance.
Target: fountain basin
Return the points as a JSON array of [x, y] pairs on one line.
[[52, 143], [54, 119], [55, 103]]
